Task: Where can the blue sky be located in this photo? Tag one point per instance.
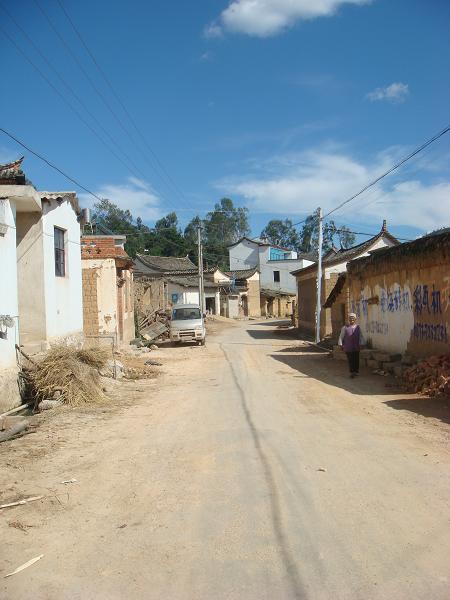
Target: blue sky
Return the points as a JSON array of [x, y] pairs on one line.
[[282, 105]]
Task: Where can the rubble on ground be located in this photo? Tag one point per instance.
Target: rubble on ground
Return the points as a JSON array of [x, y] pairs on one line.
[[430, 376]]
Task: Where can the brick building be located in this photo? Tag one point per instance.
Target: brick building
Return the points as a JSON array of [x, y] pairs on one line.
[[334, 263], [402, 296], [108, 297]]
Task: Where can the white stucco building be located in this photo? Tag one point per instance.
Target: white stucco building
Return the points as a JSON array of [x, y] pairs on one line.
[[273, 262], [275, 265], [40, 291]]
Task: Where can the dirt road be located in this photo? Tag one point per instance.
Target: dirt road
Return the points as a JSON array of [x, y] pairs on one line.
[[251, 469]]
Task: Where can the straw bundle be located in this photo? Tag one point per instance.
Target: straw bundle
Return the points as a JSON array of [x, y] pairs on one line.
[[72, 372]]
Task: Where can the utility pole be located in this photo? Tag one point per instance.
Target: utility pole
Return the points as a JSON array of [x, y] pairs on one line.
[[319, 276], [201, 285]]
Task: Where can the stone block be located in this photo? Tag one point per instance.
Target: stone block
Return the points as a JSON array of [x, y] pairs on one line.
[[381, 357], [373, 364], [388, 367], [398, 370], [366, 353]]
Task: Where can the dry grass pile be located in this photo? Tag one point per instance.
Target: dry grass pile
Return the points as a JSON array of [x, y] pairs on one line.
[[71, 372], [431, 377]]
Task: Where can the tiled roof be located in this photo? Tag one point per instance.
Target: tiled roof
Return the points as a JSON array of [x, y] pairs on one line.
[[259, 243], [436, 245], [12, 174], [192, 282], [146, 264], [275, 293], [241, 273], [71, 197], [335, 256]]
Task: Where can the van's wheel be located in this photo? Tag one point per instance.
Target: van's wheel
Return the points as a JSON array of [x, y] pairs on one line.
[[203, 342]]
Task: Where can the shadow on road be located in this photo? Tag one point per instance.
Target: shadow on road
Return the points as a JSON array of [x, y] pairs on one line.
[[287, 556], [427, 407], [309, 362]]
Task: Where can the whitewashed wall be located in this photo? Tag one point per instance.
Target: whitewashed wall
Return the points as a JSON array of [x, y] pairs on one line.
[[9, 390], [9, 304], [244, 256], [287, 283], [378, 323], [63, 295]]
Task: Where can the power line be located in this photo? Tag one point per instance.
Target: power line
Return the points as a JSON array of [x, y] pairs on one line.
[[66, 101], [50, 164], [393, 168], [96, 89], [117, 97], [383, 175]]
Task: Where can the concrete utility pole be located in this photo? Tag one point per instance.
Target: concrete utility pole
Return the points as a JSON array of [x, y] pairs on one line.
[[201, 284], [319, 277]]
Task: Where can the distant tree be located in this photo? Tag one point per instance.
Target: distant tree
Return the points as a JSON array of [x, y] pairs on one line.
[[167, 238], [309, 235], [282, 233], [222, 227], [108, 215]]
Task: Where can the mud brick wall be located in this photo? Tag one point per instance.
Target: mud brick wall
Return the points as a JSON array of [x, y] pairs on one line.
[[253, 299], [90, 302], [403, 300]]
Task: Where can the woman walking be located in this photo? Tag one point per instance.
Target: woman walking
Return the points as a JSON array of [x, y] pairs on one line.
[[351, 339]]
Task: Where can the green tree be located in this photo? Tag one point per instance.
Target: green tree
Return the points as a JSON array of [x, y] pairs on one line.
[[167, 238], [110, 217], [281, 233], [309, 235], [222, 227]]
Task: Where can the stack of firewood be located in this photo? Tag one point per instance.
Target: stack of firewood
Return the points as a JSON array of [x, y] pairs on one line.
[[430, 376]]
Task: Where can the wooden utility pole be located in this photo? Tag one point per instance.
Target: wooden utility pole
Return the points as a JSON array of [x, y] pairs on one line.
[[201, 283], [319, 277]]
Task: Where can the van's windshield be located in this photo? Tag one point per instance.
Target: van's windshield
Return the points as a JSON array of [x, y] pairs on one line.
[[186, 314]]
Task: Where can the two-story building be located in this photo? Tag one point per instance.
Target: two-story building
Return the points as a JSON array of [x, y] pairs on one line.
[[275, 265]]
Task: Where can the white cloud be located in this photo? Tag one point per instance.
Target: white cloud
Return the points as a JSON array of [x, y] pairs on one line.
[[135, 195], [396, 92], [265, 18], [213, 31], [298, 184], [206, 56]]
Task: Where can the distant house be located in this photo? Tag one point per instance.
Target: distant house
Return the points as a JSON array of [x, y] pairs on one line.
[[275, 265], [401, 295], [334, 267], [164, 281], [41, 299], [245, 293], [108, 297], [148, 265]]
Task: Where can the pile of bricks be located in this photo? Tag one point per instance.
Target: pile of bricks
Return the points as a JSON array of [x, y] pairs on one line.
[[430, 376]]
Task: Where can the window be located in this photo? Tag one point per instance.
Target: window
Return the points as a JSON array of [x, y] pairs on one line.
[[60, 255], [186, 314], [276, 276]]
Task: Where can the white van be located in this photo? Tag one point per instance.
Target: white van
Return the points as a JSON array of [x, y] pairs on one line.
[[187, 324]]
